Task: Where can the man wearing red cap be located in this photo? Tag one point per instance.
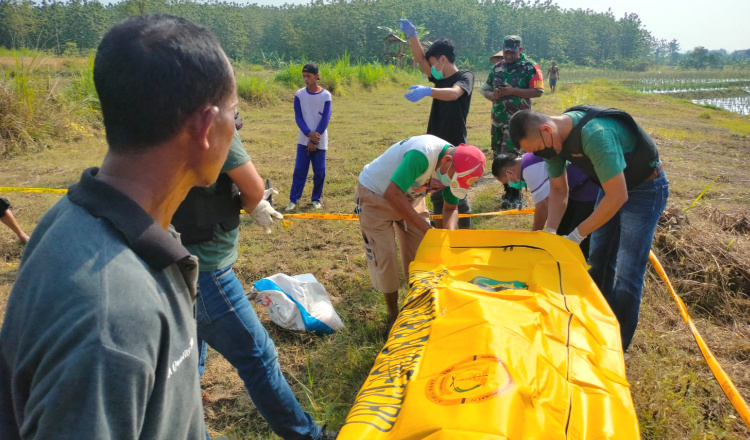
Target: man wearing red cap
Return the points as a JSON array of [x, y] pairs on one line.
[[391, 192]]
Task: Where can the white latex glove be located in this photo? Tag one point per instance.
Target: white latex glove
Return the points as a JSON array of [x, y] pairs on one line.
[[269, 192], [575, 236], [263, 214]]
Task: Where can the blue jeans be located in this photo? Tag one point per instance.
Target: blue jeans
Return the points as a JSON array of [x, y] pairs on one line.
[[620, 248], [228, 323], [301, 167]]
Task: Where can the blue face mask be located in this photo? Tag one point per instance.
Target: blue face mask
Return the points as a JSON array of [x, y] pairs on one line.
[[437, 74], [519, 185], [444, 179]]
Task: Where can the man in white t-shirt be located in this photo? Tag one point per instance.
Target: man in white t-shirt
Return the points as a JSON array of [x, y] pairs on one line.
[[391, 192]]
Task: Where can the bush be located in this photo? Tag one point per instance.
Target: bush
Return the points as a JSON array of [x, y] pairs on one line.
[[34, 108], [256, 91], [29, 108], [290, 75], [82, 91]]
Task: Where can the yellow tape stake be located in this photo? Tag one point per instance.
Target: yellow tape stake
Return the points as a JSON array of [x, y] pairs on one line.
[[724, 381], [700, 195], [18, 189]]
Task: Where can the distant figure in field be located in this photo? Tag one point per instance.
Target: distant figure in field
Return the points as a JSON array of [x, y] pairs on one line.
[[451, 100], [494, 59], [511, 85], [6, 216], [312, 111], [99, 339], [553, 73]]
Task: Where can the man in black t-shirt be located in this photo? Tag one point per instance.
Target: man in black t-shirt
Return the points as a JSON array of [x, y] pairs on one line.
[[451, 99]]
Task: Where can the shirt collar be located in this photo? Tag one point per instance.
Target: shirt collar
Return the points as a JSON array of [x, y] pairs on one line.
[[154, 245]]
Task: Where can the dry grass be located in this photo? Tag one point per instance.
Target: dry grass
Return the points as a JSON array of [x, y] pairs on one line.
[[705, 251]]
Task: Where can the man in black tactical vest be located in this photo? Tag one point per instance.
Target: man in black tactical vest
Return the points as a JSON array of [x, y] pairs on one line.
[[208, 221], [612, 149]]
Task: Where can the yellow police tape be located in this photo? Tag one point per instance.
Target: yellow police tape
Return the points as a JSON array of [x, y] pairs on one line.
[[503, 335], [18, 189], [725, 382], [356, 217]]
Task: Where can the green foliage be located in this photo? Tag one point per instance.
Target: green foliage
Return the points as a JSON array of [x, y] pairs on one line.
[[82, 92], [290, 75], [257, 91], [370, 75], [36, 108], [27, 108], [342, 73], [325, 30]]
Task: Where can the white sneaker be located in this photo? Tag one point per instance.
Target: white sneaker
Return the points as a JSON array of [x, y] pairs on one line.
[[316, 204], [290, 207]]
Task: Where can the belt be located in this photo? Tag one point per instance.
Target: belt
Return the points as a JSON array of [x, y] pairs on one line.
[[657, 172]]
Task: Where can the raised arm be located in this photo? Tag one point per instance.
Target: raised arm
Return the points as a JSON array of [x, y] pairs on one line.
[[417, 50]]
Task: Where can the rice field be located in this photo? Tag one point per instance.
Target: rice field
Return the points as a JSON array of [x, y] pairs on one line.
[[728, 89]]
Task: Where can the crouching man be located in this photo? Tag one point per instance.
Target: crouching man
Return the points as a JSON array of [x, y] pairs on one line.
[[391, 192]]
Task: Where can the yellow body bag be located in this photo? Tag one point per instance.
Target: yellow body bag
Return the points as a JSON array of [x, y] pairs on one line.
[[503, 335]]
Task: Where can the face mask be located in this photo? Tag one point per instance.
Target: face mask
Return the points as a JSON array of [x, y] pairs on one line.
[[444, 179], [518, 184], [437, 74], [546, 152]]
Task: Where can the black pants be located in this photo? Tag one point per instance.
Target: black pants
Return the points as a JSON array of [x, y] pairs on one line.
[[4, 205], [574, 215]]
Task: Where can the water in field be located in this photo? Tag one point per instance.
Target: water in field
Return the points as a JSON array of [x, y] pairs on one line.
[[738, 104], [727, 89]]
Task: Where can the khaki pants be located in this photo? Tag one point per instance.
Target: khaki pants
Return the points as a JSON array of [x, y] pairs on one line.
[[377, 221]]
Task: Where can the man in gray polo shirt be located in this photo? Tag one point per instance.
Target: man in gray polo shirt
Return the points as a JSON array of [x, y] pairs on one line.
[[99, 339]]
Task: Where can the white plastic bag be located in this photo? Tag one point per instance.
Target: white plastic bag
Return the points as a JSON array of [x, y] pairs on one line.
[[297, 303]]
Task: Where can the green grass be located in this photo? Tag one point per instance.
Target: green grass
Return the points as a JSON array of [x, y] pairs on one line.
[[673, 391]]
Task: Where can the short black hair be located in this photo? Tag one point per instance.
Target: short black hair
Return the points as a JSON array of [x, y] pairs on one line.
[[502, 161], [151, 73], [310, 68], [442, 46], [522, 122]]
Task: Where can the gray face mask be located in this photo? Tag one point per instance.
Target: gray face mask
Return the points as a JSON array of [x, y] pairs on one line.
[[546, 152]]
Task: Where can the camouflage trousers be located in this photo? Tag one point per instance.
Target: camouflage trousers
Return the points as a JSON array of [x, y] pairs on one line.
[[500, 139]]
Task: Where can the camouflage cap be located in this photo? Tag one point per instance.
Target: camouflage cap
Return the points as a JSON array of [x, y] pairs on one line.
[[512, 43]]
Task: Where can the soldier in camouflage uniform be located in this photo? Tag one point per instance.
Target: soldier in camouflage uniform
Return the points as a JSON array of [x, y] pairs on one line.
[[511, 85]]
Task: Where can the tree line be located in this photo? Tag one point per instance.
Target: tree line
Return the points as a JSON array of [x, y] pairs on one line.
[[326, 29]]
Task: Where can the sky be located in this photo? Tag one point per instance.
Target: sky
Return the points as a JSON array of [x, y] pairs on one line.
[[717, 24]]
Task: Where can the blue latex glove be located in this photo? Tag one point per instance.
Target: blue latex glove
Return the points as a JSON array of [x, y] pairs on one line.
[[407, 28], [418, 92]]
